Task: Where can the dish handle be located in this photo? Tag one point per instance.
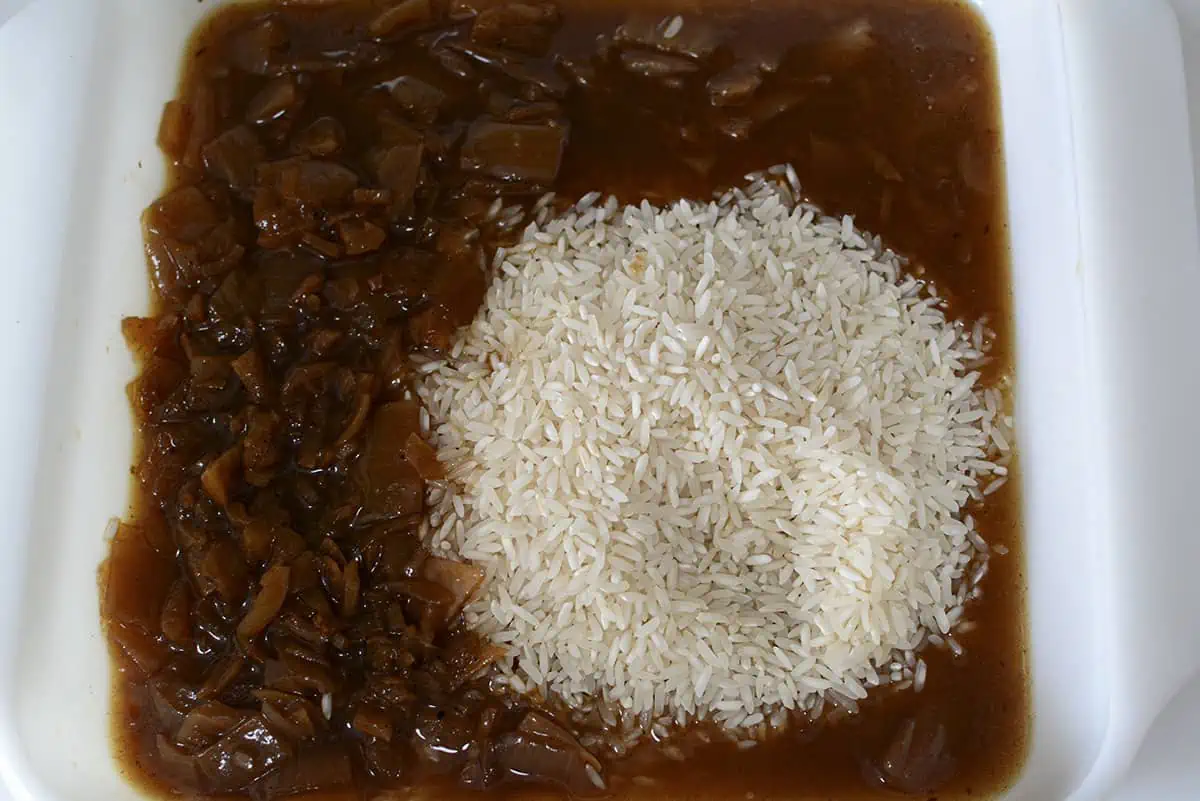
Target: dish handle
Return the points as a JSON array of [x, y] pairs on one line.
[[41, 124], [1141, 287]]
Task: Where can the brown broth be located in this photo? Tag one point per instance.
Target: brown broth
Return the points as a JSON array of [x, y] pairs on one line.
[[906, 137]]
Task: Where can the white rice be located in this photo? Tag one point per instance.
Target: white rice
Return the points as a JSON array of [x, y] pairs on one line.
[[714, 458], [327, 705]]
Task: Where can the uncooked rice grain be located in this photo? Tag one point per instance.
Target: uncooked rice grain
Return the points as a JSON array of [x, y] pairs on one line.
[[714, 458]]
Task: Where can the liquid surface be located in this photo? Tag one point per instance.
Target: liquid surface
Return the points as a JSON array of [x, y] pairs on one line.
[[289, 296]]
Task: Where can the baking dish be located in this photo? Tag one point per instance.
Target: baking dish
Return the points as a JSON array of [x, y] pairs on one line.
[[1103, 229]]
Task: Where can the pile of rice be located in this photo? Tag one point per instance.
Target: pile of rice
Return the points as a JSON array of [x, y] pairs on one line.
[[714, 458]]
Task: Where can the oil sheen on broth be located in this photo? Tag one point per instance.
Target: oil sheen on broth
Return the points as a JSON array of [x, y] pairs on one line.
[[886, 108]]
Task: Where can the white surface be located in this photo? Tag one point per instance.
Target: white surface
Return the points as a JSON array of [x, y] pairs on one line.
[[69, 215], [1138, 229], [10, 7], [1167, 768]]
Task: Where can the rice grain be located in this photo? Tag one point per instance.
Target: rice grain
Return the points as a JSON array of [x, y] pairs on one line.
[[714, 459]]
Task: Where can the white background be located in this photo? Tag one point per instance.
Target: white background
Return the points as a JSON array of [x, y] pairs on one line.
[[1168, 767]]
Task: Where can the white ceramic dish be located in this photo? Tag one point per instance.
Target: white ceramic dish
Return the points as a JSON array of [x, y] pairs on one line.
[[1105, 262]]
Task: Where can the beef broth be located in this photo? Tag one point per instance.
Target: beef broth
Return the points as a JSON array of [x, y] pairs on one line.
[[341, 173]]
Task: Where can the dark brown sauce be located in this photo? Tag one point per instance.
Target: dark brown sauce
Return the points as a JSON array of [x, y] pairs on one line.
[[888, 109]]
